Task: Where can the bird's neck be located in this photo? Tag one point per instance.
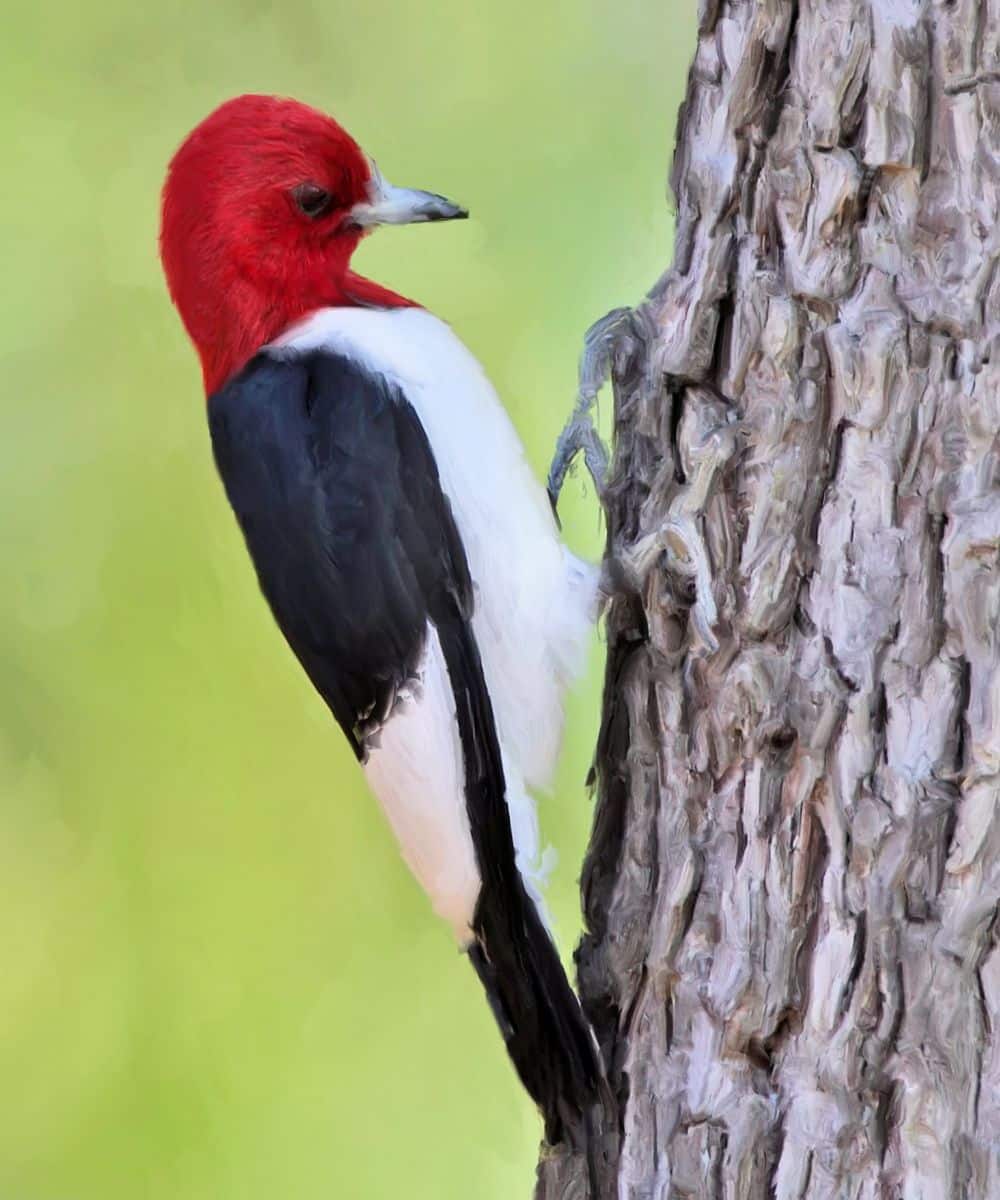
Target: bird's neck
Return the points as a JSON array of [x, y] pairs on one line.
[[228, 336]]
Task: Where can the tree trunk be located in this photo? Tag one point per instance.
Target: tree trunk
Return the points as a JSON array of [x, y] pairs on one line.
[[792, 890]]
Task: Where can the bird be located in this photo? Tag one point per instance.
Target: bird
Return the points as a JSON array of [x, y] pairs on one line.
[[408, 555]]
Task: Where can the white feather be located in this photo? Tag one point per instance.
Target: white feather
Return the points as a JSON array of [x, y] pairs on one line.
[[415, 770], [534, 601]]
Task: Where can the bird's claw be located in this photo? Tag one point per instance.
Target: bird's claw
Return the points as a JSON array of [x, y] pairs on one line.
[[579, 434]]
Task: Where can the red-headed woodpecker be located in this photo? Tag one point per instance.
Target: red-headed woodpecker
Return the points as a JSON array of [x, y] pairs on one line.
[[408, 555]]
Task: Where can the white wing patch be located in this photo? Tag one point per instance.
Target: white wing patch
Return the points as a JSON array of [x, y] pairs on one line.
[[416, 771]]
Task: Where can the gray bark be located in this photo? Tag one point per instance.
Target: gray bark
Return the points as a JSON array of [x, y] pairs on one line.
[[792, 890]]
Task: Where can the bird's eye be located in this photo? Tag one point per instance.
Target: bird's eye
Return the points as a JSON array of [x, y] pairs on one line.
[[312, 200]]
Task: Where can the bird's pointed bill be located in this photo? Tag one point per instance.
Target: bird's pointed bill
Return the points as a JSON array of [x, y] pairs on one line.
[[389, 205]]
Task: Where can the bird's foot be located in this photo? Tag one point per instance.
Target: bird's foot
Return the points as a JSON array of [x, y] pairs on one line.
[[579, 435]]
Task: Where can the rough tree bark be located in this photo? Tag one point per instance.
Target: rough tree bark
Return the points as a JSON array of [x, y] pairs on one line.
[[792, 890]]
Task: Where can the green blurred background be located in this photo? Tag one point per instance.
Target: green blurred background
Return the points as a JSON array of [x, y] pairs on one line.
[[216, 978]]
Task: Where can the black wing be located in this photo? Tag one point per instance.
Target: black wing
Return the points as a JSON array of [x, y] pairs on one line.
[[336, 489]]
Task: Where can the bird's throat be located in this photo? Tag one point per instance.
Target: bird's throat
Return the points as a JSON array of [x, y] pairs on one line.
[[230, 335]]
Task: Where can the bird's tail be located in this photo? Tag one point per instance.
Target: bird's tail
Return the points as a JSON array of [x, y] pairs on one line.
[[547, 1035], [548, 1038]]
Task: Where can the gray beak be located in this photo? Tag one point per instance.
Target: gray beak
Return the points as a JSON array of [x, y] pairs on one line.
[[388, 205]]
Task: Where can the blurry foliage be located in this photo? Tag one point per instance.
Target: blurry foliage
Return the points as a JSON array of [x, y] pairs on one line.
[[217, 978]]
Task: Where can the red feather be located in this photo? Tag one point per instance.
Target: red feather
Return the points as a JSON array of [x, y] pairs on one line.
[[242, 263]]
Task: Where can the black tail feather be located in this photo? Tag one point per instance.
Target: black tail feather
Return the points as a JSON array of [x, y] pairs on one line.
[[547, 1035]]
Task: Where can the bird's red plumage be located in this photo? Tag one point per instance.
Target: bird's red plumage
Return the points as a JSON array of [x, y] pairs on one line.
[[242, 263]]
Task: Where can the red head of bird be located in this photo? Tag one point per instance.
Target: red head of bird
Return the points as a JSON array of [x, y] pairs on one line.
[[263, 206]]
